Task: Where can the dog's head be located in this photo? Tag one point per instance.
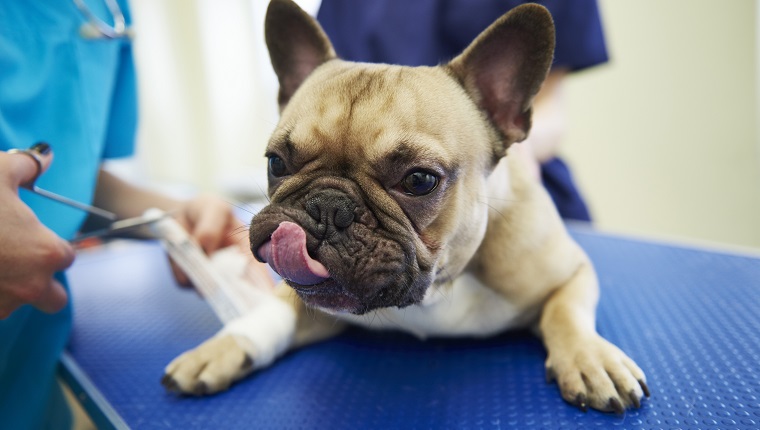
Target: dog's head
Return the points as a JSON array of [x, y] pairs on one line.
[[377, 173]]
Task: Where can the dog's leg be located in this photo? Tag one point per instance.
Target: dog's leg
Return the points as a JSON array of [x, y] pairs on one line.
[[312, 325], [590, 371], [248, 343]]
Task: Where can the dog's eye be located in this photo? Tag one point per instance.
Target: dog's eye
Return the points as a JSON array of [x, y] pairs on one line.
[[277, 167], [420, 183]]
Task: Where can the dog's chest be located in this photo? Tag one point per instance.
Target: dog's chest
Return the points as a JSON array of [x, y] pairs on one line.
[[466, 308]]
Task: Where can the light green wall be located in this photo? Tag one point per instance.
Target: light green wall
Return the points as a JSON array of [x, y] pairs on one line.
[[664, 139]]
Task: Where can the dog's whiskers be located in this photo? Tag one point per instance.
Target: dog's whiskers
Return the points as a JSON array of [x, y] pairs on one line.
[[264, 193], [491, 208], [245, 207]]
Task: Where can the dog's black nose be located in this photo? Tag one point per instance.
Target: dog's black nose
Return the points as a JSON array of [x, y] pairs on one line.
[[331, 206]]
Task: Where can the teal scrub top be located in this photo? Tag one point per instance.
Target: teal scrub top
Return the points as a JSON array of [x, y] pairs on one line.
[[79, 96]]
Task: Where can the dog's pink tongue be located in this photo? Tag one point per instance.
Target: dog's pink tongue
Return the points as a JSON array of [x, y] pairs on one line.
[[287, 255]]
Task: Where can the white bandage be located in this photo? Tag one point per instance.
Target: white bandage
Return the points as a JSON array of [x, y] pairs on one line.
[[269, 327]]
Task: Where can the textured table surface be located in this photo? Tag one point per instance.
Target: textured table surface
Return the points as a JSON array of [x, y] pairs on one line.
[[689, 317]]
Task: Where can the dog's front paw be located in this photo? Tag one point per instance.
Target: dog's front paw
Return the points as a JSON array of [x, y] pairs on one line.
[[210, 368], [595, 373]]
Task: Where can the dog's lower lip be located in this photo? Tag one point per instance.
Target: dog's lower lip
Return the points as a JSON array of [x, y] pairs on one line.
[[327, 296], [308, 290]]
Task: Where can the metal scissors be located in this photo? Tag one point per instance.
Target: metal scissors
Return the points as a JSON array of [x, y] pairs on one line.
[[115, 225]]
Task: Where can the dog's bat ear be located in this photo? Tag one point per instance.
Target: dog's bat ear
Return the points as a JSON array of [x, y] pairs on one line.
[[503, 69], [297, 45]]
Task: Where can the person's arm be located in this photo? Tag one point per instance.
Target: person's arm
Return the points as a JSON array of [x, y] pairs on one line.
[[548, 125], [208, 219], [30, 253], [549, 118], [126, 200]]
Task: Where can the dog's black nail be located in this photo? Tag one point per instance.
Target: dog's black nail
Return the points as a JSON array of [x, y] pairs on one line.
[[634, 399], [169, 383], [616, 406], [41, 148], [644, 387], [551, 375], [581, 402], [200, 388], [247, 363]]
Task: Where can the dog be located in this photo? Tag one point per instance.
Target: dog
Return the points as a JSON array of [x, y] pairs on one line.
[[397, 201]]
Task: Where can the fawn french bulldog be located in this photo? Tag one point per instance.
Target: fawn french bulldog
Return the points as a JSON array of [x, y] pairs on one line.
[[397, 202]]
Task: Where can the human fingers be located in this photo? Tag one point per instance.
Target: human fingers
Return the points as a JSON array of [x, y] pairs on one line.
[[210, 222], [38, 288], [206, 225], [52, 299], [237, 234], [26, 165], [66, 254], [51, 296]]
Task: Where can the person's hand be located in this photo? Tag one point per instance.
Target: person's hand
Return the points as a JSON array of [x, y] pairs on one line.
[[30, 253], [208, 219], [211, 223]]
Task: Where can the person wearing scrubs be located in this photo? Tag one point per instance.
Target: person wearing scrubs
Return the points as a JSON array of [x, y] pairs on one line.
[[66, 79], [432, 32]]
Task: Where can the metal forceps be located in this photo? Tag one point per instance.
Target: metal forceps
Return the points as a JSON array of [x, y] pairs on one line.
[[115, 225]]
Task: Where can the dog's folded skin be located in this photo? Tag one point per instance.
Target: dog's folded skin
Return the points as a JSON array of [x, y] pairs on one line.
[[397, 202]]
